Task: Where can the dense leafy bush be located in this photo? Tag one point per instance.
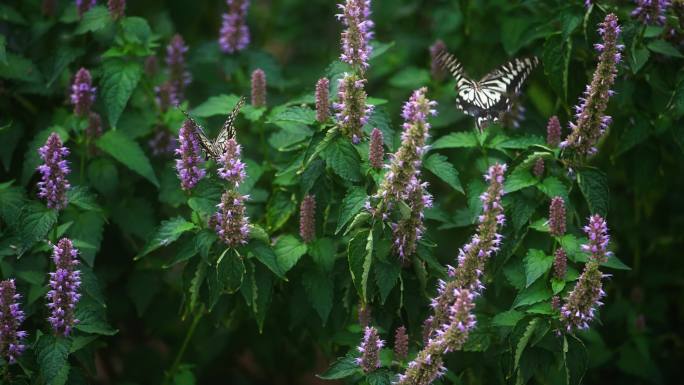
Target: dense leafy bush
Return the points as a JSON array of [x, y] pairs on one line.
[[357, 226]]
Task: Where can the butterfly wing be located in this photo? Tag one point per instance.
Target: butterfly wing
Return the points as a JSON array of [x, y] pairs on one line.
[[228, 129], [467, 98], [499, 86], [204, 141]]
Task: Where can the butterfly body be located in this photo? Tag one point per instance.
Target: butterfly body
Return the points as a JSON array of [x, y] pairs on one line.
[[490, 97], [215, 148]]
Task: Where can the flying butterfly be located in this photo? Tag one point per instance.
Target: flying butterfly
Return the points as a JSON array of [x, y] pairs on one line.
[[215, 148], [490, 97]]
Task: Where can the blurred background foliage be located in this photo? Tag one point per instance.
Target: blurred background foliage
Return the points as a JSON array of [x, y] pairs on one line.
[[639, 338]]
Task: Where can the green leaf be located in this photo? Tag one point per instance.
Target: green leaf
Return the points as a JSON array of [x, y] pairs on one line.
[[556, 59], [297, 114], [440, 166], [536, 264], [353, 202], [265, 255], [323, 253], [456, 140], [639, 58], [128, 152], [92, 320], [410, 78], [288, 249], [280, 208], [103, 175], [120, 77], [34, 225], [664, 48], [20, 68], [343, 158], [230, 271], [356, 254], [87, 228], [32, 158], [168, 232], [536, 293], [52, 354], [81, 197], [386, 277], [342, 368], [3, 50], [524, 340], [220, 105], [594, 187], [319, 291], [553, 187], [519, 179], [95, 19], [508, 318]]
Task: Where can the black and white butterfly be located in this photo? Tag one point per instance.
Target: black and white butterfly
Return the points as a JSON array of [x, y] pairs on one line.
[[490, 97], [215, 148]]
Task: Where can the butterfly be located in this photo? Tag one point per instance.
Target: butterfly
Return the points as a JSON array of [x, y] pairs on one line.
[[215, 148], [490, 97]]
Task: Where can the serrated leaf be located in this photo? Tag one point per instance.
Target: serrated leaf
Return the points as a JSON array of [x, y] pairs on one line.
[[220, 105], [120, 77], [265, 255], [297, 114], [280, 208], [81, 197], [352, 203], [52, 355], [508, 318], [556, 59], [34, 225], [519, 179], [594, 187], [323, 253], [343, 158], [288, 249], [536, 293], [87, 228], [230, 271], [168, 232], [93, 20], [439, 165], [536, 264], [319, 291], [356, 253], [342, 368], [524, 340], [456, 140], [92, 320], [128, 152], [664, 48], [553, 187], [386, 277]]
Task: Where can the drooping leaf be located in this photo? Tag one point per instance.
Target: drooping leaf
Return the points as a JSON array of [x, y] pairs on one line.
[[288, 249], [52, 355], [319, 291], [594, 187], [169, 231], [230, 271], [128, 152], [120, 77], [440, 166], [536, 264], [352, 203], [343, 158]]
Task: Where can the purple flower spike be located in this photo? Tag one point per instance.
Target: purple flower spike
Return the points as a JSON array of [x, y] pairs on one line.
[[231, 167], [365, 314], [376, 152], [404, 167], [369, 360], [401, 342], [581, 303], [82, 92], [83, 6], [53, 185], [538, 169], [163, 143], [591, 121], [179, 77], [352, 110], [557, 217], [230, 221], [436, 68], [560, 264], [307, 218], [356, 48], [258, 88], [11, 317], [651, 12], [151, 65], [166, 96], [189, 164], [116, 8], [409, 230], [322, 102], [234, 34], [553, 132], [64, 284]]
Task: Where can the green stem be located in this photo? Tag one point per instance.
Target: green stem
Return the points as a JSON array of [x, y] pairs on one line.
[[184, 346]]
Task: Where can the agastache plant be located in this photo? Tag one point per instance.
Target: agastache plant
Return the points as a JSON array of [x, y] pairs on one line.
[[11, 317], [582, 301], [376, 152], [352, 110], [82, 92], [369, 360], [401, 343], [163, 142], [356, 48], [557, 217], [54, 185], [591, 121], [651, 12], [307, 218], [553, 132], [83, 6], [64, 284], [189, 162], [538, 169], [230, 221], [234, 34], [179, 77], [258, 88], [116, 8], [322, 102], [409, 230]]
